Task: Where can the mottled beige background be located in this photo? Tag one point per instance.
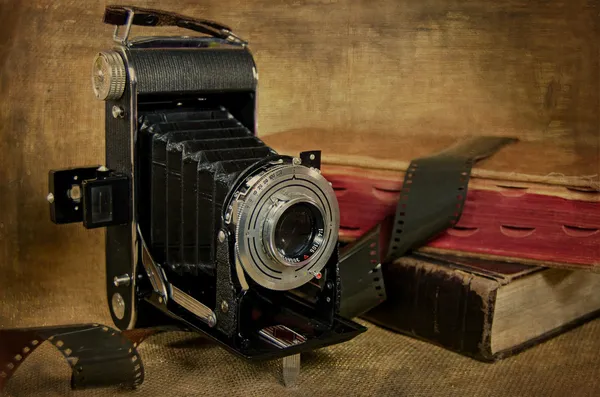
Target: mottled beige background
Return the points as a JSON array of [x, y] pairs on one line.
[[525, 68]]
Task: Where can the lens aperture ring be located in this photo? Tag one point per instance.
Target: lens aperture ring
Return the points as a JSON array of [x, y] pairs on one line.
[[285, 194]]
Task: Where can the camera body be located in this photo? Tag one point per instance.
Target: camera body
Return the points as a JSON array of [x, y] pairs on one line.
[[206, 226]]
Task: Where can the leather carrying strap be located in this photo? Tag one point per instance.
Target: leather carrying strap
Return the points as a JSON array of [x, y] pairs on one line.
[[118, 15]]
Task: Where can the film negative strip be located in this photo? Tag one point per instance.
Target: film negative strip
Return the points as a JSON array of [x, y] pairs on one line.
[[434, 192], [431, 200], [360, 275], [99, 356]]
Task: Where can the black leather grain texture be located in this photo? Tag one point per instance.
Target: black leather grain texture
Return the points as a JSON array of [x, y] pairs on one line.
[[226, 320], [193, 70], [119, 239]]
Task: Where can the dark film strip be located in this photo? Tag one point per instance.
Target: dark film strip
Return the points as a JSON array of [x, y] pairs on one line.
[[431, 200], [434, 192], [360, 275], [99, 356]]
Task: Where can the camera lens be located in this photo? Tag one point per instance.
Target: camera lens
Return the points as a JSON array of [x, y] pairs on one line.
[[286, 220], [296, 228]]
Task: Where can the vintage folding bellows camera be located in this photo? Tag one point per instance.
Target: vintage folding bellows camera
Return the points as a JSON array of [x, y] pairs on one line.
[[206, 226]]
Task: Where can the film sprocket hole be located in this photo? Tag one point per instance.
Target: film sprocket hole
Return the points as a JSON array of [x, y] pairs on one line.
[[206, 226]]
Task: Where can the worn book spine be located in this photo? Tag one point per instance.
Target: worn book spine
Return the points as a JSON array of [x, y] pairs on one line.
[[439, 304], [450, 306]]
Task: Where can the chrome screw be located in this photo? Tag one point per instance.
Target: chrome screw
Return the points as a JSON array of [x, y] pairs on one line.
[[122, 280], [118, 112], [118, 305], [224, 307]]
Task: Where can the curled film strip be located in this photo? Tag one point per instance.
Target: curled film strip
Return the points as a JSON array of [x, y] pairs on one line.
[[431, 200], [99, 356]]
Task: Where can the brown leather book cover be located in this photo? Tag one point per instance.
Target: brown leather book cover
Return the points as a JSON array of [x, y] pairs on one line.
[[451, 302]]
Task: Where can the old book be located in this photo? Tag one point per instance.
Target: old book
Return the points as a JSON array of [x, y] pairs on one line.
[[484, 309], [530, 201]]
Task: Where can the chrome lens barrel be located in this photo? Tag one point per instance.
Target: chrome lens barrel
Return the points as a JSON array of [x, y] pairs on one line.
[[294, 228], [286, 220]]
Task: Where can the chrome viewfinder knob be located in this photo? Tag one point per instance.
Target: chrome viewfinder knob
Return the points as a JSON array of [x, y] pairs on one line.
[[108, 76]]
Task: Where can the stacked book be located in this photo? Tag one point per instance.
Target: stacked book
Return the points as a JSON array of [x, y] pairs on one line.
[[517, 268]]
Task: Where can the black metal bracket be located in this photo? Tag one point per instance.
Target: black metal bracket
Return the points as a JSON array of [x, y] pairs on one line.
[[311, 158], [65, 195], [227, 296], [92, 195]]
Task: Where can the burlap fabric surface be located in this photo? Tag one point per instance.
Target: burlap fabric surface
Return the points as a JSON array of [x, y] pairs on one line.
[[378, 362], [396, 67]]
